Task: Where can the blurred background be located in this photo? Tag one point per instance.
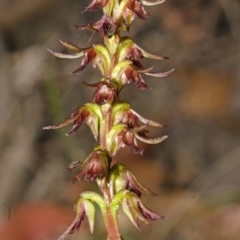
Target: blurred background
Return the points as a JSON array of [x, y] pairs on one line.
[[196, 171]]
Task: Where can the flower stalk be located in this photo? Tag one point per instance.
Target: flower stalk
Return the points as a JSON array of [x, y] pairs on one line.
[[112, 122]]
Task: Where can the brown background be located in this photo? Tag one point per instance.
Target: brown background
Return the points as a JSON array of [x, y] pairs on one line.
[[196, 171]]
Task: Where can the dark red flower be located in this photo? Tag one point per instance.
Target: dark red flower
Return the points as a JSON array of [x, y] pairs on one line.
[[95, 166], [105, 26], [107, 91]]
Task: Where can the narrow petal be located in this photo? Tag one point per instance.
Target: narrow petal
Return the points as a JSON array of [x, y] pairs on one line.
[[162, 74], [75, 127], [88, 27], [140, 129], [95, 4], [89, 56], [63, 55], [151, 141], [149, 55], [133, 183], [147, 121], [72, 47], [152, 3], [71, 119], [97, 84], [147, 213], [75, 225], [140, 69], [83, 114]]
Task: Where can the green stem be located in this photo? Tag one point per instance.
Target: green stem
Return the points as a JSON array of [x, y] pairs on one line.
[[110, 215]]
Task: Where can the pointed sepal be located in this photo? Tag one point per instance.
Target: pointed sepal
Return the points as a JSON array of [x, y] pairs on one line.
[[122, 178], [83, 208], [135, 210], [152, 2], [89, 113], [95, 4]]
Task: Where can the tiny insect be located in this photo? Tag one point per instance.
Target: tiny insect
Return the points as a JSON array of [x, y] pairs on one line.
[[74, 165]]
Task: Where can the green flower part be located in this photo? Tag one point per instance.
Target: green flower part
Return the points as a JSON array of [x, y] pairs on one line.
[[129, 64], [126, 67], [83, 208], [90, 113], [122, 178], [97, 54], [126, 130], [122, 113], [120, 136], [135, 210]]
